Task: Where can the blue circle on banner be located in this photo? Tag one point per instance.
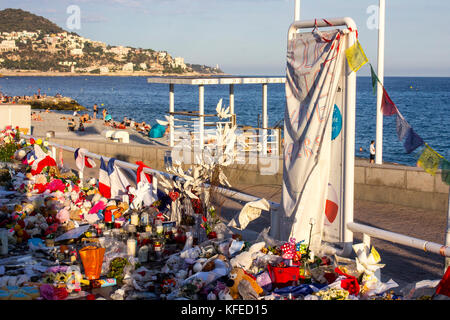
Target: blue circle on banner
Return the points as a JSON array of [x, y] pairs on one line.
[[337, 123]]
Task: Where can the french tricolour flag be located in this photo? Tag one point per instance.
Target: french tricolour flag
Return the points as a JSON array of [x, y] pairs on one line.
[[39, 160], [118, 180], [82, 161], [104, 182]]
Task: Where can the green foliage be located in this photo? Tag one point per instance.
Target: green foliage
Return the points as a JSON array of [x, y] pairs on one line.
[[18, 20], [7, 151]]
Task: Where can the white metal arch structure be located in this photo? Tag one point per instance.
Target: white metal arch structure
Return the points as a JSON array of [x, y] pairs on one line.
[[349, 125]]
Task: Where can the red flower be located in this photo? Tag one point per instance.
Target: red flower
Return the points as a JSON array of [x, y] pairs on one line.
[[32, 141], [204, 219]]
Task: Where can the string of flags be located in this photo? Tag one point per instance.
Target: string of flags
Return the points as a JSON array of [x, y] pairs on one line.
[[429, 159]]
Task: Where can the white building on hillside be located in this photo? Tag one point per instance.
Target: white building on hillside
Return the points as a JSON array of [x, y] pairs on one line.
[[8, 45], [120, 50], [76, 52], [179, 62], [128, 67]]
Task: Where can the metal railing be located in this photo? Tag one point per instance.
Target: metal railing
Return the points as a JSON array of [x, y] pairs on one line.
[[367, 231]]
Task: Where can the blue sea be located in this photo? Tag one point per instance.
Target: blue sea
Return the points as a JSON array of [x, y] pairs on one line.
[[423, 101]]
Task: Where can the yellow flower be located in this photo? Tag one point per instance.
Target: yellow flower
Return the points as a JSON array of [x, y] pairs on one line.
[[39, 141]]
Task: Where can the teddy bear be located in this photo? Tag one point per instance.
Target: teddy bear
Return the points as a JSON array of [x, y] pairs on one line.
[[237, 275]]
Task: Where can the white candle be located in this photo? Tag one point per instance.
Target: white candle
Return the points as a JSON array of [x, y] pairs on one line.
[[131, 247], [135, 219]]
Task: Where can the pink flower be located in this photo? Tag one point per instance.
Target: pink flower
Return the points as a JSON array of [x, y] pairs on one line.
[[55, 185]]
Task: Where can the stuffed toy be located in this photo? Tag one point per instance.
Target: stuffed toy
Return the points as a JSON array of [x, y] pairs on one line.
[[237, 275]]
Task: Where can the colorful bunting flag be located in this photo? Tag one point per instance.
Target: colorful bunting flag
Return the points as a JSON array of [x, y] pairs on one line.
[[412, 141], [356, 57], [402, 127], [429, 160], [374, 79], [444, 285], [387, 105], [445, 174]]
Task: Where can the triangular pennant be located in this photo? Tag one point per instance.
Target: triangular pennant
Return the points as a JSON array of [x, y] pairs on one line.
[[429, 160], [445, 174], [374, 79], [402, 127], [412, 140], [387, 105], [356, 57]]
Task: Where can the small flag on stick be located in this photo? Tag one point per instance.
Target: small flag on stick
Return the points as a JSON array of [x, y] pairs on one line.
[[356, 57]]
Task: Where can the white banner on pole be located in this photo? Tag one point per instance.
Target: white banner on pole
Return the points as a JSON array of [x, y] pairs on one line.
[[314, 66]]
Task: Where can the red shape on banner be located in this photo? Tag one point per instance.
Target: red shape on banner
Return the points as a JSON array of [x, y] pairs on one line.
[[331, 210]]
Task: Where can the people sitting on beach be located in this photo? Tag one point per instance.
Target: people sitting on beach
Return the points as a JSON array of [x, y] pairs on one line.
[[36, 117], [81, 126], [121, 125], [85, 118], [71, 125]]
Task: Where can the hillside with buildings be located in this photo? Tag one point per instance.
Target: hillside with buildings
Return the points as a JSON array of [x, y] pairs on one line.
[[32, 43]]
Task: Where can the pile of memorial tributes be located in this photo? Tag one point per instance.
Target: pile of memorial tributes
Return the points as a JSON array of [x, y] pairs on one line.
[[64, 239]]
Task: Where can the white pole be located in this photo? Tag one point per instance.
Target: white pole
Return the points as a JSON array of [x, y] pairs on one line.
[[297, 10], [201, 112], [349, 147], [380, 71], [171, 109], [264, 118], [232, 98]]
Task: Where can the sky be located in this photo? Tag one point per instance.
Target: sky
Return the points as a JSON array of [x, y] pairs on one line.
[[249, 37]]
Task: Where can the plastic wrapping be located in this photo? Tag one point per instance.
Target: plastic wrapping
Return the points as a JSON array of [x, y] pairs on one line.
[[92, 259]]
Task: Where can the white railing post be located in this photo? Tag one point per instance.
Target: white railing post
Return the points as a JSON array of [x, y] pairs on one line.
[[54, 153], [201, 113], [380, 71], [264, 119], [231, 98], [171, 109]]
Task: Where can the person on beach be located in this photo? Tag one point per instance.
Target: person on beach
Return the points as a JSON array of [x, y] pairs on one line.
[[95, 111], [36, 117], [104, 113], [372, 151], [71, 125], [81, 126]]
